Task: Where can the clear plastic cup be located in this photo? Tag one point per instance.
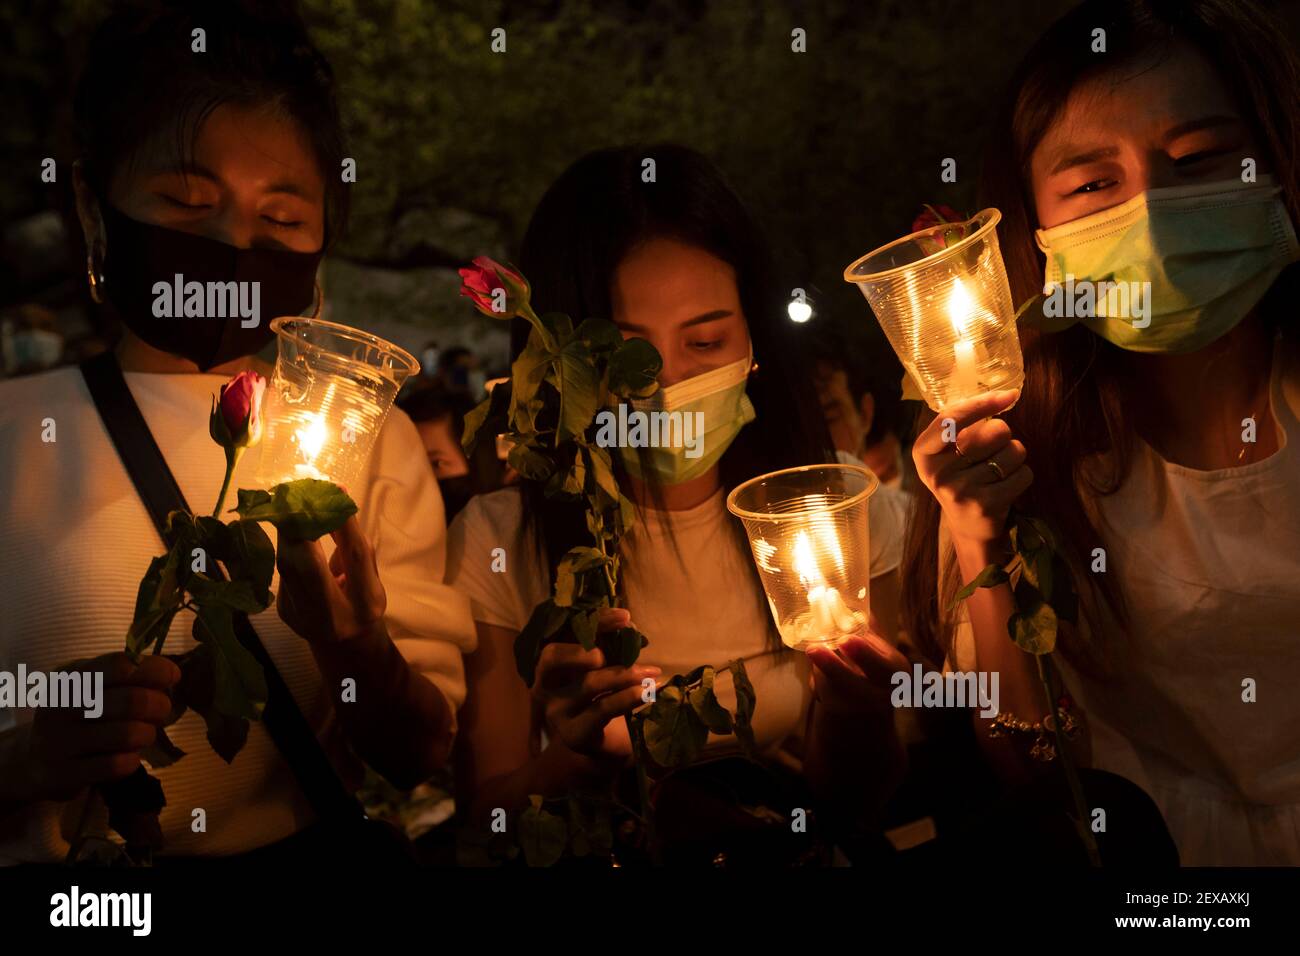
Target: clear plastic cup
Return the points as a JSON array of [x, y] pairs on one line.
[[328, 398], [811, 543], [946, 309]]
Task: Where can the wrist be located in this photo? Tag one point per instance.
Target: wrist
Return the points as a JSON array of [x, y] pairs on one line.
[[974, 555]]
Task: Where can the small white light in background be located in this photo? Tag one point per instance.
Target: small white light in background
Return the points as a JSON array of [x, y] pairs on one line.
[[799, 311]]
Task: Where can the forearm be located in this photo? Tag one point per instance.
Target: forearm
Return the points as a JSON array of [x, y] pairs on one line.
[[398, 721], [1020, 691]]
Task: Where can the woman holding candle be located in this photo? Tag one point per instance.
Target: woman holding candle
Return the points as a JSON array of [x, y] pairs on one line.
[[220, 164], [1158, 441], [678, 262]]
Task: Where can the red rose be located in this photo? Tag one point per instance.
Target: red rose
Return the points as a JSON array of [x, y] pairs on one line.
[[236, 420], [934, 215], [481, 280]]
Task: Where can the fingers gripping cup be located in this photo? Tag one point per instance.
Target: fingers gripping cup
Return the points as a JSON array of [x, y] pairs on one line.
[[808, 531], [330, 394], [941, 295]]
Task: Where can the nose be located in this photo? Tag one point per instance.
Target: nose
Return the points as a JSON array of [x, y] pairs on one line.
[[234, 226]]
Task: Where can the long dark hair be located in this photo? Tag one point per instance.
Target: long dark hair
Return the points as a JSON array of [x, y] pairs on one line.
[[1071, 407], [598, 211], [142, 81]]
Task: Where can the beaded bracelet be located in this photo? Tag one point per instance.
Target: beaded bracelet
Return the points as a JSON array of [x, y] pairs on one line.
[[1044, 748]]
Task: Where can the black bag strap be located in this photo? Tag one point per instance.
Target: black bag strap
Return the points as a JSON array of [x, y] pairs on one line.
[[161, 495]]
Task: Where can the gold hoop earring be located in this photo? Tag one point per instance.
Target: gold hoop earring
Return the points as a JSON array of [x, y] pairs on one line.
[[95, 279], [320, 301]]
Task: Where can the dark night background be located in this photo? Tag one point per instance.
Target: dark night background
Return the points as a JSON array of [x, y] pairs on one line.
[[836, 148]]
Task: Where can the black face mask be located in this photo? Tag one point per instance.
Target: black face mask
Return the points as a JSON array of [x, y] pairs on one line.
[[456, 493], [139, 255]]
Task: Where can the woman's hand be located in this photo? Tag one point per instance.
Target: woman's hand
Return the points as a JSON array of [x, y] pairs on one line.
[[853, 679], [977, 477], [854, 758], [335, 601], [581, 697], [68, 751]]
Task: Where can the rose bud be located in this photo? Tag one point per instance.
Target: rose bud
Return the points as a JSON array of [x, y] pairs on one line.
[[481, 280]]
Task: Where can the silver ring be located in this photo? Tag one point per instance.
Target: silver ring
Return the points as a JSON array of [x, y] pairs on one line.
[[997, 469]]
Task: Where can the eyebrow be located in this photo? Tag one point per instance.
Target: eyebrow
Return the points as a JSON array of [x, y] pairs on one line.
[[1083, 159], [1170, 135], [285, 187], [1193, 126], [698, 320]]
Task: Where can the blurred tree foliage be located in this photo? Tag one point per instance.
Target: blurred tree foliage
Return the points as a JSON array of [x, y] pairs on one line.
[[836, 147]]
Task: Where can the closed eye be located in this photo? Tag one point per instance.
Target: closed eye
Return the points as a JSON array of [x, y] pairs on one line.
[[181, 204], [707, 346], [1191, 159]]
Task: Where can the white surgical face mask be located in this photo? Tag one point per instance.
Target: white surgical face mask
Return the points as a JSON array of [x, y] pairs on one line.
[[717, 400], [1204, 255]]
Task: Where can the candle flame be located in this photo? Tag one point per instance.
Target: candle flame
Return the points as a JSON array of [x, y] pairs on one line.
[[960, 308], [311, 437], [805, 562]]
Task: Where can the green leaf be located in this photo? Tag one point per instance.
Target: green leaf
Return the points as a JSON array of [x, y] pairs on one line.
[[304, 509], [542, 835], [634, 369], [599, 335], [250, 556], [990, 577], [492, 414], [1034, 630], [527, 373], [162, 752], [582, 624], [706, 705], [1038, 571], [569, 482], [579, 385], [197, 688], [530, 463], [236, 595], [622, 647], [573, 574], [543, 623], [591, 831], [134, 803], [156, 603], [239, 686], [672, 730], [743, 716], [1065, 599], [600, 469], [558, 324]]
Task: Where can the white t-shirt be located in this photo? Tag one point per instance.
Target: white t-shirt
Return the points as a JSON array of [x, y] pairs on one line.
[[75, 540], [1209, 562], [699, 604]]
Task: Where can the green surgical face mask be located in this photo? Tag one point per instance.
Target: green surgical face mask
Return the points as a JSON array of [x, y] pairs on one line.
[[681, 431], [1188, 263]]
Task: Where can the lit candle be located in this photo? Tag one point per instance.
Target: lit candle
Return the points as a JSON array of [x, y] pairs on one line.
[[310, 439], [828, 617], [965, 374]]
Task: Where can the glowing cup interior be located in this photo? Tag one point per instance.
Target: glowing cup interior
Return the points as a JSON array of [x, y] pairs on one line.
[[808, 531], [946, 311], [328, 398]]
